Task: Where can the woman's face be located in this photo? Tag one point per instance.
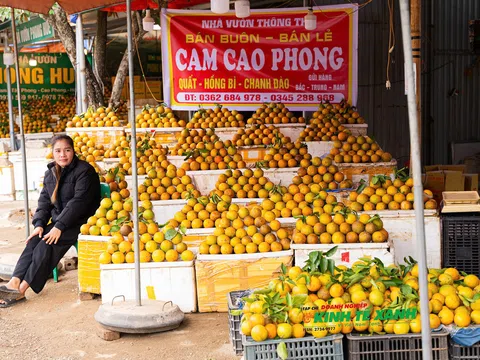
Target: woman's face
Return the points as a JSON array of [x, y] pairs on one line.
[[62, 153]]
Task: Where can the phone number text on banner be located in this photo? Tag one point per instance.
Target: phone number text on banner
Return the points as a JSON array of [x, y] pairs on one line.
[[267, 57]]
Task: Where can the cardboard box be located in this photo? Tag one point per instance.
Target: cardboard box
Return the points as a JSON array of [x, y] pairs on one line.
[[460, 168], [217, 275], [439, 178], [471, 182]]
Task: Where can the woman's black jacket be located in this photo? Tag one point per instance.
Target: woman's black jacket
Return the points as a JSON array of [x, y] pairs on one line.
[[78, 196]]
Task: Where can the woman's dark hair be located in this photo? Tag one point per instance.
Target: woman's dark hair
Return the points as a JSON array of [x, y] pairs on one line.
[[58, 170], [67, 138]]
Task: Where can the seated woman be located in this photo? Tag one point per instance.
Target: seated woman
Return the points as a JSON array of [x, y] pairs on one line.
[[71, 194]]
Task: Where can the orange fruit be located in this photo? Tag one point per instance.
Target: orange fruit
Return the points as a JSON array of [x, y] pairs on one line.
[[118, 258], [284, 331], [171, 255], [259, 333], [298, 331], [105, 258], [272, 330]]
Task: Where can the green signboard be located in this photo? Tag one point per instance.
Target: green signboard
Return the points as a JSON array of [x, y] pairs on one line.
[[51, 78], [33, 31]]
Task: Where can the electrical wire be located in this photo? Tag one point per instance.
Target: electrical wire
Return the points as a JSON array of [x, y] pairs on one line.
[[391, 42], [358, 7], [143, 73]]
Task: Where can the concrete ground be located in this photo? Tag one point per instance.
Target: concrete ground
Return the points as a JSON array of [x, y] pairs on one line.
[[56, 325]]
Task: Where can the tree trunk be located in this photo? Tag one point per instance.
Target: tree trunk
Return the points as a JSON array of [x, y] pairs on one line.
[[100, 48], [122, 71], [59, 20]]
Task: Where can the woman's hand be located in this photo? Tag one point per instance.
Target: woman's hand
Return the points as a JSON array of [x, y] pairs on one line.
[[37, 231], [52, 236]]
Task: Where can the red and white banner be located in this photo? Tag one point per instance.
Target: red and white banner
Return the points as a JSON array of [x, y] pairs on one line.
[[213, 59]]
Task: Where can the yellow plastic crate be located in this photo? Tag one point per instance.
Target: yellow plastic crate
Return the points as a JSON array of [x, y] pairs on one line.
[[89, 250], [217, 275]]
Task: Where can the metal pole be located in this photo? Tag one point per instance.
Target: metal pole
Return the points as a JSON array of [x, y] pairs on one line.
[[22, 135], [416, 39], [11, 121], [82, 73], [417, 181], [133, 144]]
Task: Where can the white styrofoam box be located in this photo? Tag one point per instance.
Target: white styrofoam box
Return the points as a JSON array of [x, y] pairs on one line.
[[319, 148], [36, 168], [36, 144], [346, 254], [288, 222], [293, 131], [109, 163], [357, 129], [282, 176], [7, 179], [83, 130], [129, 180], [171, 281], [205, 180], [226, 133], [5, 144], [33, 195], [93, 238], [164, 210], [101, 164], [246, 201], [201, 231], [164, 135], [155, 130], [45, 136], [176, 160], [402, 234], [254, 256]]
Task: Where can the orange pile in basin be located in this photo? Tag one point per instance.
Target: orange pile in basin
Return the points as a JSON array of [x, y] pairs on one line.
[[218, 117], [158, 117], [274, 113], [191, 139], [287, 155], [245, 230], [100, 117], [219, 155], [358, 149], [247, 183], [258, 135], [329, 122], [384, 194]]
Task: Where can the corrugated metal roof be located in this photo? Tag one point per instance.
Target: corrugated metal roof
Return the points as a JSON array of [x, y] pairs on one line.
[[445, 119]]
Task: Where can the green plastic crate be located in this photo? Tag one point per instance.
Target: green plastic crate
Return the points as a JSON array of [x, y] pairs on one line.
[[307, 348]]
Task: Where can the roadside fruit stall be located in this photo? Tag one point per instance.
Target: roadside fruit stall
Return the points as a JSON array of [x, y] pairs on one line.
[[229, 205]]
